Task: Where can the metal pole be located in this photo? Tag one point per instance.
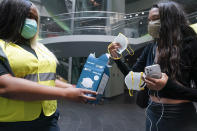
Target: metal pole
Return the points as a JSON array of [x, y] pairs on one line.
[[109, 8], [69, 69], [73, 16]]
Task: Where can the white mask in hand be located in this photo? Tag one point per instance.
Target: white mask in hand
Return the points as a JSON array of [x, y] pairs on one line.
[[123, 41], [134, 81]]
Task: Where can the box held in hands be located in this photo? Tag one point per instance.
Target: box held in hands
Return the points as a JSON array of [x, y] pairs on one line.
[[95, 74]]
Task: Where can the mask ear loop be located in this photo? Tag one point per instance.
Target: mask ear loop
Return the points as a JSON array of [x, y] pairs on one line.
[[131, 90], [131, 54], [114, 58], [141, 87]]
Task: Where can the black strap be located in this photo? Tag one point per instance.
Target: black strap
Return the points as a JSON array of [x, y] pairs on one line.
[[5, 61]]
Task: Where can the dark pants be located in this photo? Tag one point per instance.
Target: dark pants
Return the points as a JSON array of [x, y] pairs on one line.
[[42, 123], [176, 117]]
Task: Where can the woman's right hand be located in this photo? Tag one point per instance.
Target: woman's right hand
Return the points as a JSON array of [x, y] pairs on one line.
[[78, 94], [113, 47]]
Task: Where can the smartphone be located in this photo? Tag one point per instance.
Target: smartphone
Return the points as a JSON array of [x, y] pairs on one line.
[[153, 71]]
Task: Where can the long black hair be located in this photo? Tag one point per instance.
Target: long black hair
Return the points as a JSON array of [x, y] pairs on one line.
[[13, 14], [174, 28]]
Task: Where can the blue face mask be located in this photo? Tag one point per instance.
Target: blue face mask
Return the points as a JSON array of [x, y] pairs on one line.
[[29, 29]]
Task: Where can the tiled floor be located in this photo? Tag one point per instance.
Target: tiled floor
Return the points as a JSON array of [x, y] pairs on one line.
[[115, 114]]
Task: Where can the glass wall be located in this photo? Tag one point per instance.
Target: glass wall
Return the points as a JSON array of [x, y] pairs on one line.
[[95, 17]]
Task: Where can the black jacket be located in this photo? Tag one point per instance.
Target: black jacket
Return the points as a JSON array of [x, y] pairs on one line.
[[188, 67]]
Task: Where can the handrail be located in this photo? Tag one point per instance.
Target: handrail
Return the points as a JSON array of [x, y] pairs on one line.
[[111, 18], [106, 12], [75, 18], [192, 13], [113, 21], [92, 26], [110, 12], [193, 16]]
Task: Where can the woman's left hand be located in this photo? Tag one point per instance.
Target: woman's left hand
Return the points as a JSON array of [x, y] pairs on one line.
[[156, 84]]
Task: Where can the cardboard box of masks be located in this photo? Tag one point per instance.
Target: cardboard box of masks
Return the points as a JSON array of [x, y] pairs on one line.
[[95, 74]]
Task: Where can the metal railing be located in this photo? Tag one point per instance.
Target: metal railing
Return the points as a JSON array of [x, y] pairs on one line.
[[93, 22], [98, 23]]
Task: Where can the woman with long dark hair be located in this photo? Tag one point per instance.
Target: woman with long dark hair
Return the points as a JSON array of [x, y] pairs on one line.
[[28, 84], [170, 106]]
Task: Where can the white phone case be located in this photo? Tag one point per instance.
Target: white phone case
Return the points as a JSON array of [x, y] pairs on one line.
[[153, 71]]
